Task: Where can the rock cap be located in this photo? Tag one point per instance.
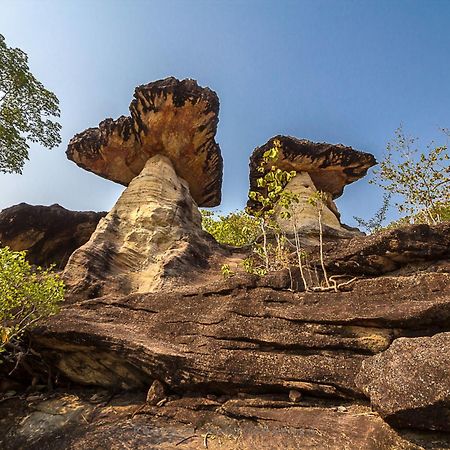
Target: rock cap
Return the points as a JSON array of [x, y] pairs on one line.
[[330, 166], [177, 119]]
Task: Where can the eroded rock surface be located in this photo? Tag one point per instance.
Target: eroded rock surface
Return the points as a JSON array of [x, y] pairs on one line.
[[330, 166], [390, 250], [79, 422], [223, 338], [153, 234], [409, 383], [49, 234], [177, 119]]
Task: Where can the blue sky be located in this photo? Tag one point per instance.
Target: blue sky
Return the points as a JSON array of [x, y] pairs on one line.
[[338, 71]]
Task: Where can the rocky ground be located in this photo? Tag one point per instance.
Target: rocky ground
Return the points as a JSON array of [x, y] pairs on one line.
[[246, 363]]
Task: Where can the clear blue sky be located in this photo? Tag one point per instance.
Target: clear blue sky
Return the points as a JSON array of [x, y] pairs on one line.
[[339, 71]]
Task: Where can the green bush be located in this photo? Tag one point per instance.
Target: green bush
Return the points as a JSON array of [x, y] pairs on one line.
[[236, 228], [27, 295]]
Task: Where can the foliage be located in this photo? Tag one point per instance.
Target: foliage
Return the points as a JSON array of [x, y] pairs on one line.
[[273, 199], [236, 228], [25, 108], [420, 178], [441, 210], [226, 271], [375, 224], [26, 295]]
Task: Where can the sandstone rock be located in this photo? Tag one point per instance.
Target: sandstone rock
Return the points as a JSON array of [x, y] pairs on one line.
[[49, 234], [184, 423], [389, 250], [295, 396], [174, 118], [152, 235], [156, 393], [319, 166], [409, 383], [225, 339]]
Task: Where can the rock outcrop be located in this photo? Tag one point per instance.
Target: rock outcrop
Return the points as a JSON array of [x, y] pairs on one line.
[[391, 250], [153, 234], [90, 420], [49, 234], [409, 383], [320, 167], [169, 117], [155, 349], [233, 336]]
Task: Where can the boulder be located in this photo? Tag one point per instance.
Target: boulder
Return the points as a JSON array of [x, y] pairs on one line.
[[320, 167], [177, 119], [49, 234], [409, 383], [151, 236]]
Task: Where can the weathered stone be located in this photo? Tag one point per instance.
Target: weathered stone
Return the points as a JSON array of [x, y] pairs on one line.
[[189, 422], [156, 393], [330, 166], [151, 236], [320, 167], [409, 383], [49, 234], [389, 250], [295, 396], [225, 339], [177, 119]]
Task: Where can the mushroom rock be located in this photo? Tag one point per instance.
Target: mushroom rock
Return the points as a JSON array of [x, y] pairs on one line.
[[169, 117], [166, 154], [152, 235], [320, 167]]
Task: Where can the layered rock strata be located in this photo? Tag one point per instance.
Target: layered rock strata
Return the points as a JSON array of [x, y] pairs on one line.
[[49, 234], [167, 156]]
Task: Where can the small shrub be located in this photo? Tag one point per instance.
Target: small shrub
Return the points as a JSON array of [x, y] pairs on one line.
[[27, 295]]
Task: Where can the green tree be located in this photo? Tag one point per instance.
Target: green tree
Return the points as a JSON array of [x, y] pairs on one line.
[[27, 295], [25, 108], [236, 228], [420, 178]]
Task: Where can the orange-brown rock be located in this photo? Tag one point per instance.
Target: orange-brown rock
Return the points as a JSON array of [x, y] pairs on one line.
[[177, 119], [409, 383], [330, 166]]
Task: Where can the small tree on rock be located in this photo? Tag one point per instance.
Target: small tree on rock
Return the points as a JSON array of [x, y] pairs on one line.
[[27, 295]]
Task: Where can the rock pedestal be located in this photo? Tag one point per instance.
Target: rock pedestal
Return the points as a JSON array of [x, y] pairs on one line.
[[152, 234], [304, 214]]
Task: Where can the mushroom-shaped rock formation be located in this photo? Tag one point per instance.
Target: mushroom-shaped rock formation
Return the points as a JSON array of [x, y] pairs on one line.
[[167, 155], [320, 167], [169, 117]]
